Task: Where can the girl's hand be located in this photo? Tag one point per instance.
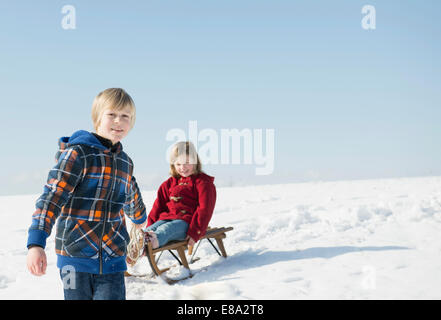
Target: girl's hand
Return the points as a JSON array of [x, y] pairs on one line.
[[37, 261], [191, 242]]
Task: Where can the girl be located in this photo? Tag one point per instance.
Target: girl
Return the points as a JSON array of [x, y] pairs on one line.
[[184, 203]]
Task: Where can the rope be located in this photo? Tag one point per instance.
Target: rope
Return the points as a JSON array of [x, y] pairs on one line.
[[135, 247]]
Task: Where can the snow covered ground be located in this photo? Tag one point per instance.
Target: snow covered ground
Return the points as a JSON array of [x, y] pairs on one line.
[[371, 239]]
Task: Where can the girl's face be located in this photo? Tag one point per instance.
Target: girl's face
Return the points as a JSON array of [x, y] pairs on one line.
[[184, 167]]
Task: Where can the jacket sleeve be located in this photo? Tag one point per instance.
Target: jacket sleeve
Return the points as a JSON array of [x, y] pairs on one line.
[[61, 182], [204, 211], [134, 207], [160, 204]]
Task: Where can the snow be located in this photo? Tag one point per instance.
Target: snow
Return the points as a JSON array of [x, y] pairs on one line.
[[370, 239]]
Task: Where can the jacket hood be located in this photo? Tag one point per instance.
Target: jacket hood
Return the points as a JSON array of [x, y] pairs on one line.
[[202, 176], [207, 177], [82, 137]]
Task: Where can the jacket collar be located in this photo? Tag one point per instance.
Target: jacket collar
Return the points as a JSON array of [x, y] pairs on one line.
[[83, 137], [107, 143]]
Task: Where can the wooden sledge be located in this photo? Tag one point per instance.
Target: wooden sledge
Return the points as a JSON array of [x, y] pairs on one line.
[[217, 234]]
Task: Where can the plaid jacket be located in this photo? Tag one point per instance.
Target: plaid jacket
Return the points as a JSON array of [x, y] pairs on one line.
[[87, 192]]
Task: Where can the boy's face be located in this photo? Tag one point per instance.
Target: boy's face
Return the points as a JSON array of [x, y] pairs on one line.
[[114, 124]]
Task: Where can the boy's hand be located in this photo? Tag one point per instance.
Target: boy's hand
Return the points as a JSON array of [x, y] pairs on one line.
[[141, 226], [37, 261]]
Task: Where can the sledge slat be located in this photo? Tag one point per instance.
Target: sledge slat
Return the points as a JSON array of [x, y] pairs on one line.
[[212, 233]]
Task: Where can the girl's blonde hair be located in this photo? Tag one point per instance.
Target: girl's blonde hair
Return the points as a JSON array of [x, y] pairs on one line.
[[187, 149], [115, 99]]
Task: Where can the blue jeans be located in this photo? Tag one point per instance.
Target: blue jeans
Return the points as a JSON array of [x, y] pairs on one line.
[[168, 230], [88, 286]]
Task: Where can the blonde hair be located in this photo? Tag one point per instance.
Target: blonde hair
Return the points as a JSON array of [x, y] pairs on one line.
[[115, 99], [184, 148]]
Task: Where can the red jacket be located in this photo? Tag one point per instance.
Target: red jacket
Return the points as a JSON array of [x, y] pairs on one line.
[[191, 199]]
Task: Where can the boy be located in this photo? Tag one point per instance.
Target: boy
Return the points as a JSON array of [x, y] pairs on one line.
[[89, 190]]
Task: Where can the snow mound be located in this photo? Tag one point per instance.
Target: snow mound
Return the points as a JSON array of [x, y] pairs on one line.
[[371, 239]]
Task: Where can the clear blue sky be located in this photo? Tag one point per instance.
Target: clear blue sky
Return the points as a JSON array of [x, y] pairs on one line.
[[344, 102]]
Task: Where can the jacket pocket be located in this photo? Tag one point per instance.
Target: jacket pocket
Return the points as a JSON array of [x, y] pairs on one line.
[[82, 241], [116, 239]]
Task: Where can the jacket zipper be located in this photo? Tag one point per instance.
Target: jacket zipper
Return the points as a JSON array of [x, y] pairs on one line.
[[106, 212]]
